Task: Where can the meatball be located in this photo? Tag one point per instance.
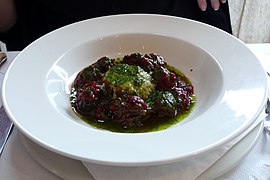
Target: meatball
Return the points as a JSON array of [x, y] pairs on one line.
[[164, 103], [88, 74], [183, 92], [104, 64], [130, 111], [156, 59], [149, 62], [165, 79], [139, 60], [88, 97], [93, 72]]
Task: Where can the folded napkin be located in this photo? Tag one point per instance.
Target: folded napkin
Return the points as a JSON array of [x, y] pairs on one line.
[[186, 169], [3, 47]]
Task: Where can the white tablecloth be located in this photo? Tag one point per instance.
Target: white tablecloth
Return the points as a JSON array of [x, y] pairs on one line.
[[17, 164]]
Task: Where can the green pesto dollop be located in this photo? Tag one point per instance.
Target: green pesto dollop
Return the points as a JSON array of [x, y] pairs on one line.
[[130, 78]]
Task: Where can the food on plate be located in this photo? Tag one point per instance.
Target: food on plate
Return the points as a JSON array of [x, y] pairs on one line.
[[136, 93]]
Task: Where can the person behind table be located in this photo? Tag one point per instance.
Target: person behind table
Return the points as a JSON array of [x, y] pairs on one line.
[[23, 21]]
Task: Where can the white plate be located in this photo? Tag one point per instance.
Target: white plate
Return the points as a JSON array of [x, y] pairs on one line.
[[230, 85], [68, 168]]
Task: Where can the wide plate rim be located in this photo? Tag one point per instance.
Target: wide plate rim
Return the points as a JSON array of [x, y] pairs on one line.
[[168, 20]]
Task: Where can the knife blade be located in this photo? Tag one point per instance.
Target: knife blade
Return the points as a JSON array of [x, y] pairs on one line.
[[3, 58], [267, 119], [6, 127]]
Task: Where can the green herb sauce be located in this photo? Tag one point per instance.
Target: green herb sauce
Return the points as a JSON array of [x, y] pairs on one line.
[[151, 125]]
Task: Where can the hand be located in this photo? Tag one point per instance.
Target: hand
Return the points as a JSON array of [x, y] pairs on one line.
[[214, 4]]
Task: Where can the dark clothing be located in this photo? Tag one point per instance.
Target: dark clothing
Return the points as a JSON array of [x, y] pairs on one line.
[[38, 17]]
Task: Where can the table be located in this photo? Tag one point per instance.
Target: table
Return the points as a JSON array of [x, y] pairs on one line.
[[17, 164]]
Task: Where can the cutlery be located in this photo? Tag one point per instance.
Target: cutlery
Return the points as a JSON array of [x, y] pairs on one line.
[[3, 58], [6, 125], [267, 119], [267, 110]]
